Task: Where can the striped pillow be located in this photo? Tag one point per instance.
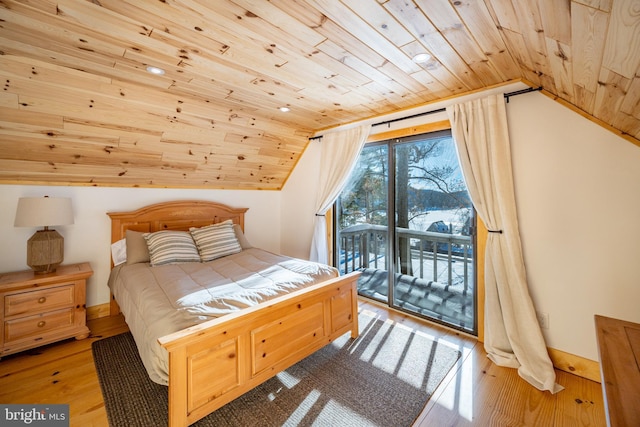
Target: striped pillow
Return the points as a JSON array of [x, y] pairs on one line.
[[215, 241], [171, 247]]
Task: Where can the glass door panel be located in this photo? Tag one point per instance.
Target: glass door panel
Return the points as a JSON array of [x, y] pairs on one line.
[[405, 220], [433, 223], [362, 220]]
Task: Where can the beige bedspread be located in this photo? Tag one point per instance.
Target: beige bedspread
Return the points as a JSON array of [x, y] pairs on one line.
[[157, 301]]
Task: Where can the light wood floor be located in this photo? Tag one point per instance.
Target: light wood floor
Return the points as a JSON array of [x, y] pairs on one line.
[[475, 392]]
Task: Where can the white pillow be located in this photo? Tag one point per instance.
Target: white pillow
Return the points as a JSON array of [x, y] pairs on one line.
[[171, 247], [119, 252], [215, 241]]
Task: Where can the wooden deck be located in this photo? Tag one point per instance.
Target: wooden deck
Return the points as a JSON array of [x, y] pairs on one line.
[[451, 304], [476, 392]]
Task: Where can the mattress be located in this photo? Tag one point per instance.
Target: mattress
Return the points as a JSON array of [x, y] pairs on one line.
[[160, 300]]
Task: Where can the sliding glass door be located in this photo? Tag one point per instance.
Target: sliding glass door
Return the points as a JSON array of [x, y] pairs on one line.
[[362, 218], [406, 222]]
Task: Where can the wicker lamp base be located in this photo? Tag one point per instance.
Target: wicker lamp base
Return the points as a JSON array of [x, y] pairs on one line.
[[45, 251]]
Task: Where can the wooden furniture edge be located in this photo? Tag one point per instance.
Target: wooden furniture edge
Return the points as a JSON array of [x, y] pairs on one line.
[[179, 210], [619, 351], [240, 332], [78, 271], [202, 329]]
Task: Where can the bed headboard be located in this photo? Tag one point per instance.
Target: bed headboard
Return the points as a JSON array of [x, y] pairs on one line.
[[178, 215]]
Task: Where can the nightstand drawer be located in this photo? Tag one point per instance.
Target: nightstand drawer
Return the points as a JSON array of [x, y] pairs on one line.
[[38, 309], [37, 325], [39, 301]]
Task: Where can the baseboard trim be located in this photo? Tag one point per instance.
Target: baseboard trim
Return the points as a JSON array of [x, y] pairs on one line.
[[576, 365], [98, 311]]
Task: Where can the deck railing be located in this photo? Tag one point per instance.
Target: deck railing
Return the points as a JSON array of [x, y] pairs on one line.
[[441, 257]]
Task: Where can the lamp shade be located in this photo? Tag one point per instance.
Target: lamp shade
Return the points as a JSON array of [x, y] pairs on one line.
[[43, 212]]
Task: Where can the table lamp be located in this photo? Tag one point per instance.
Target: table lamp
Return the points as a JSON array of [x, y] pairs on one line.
[[45, 249]]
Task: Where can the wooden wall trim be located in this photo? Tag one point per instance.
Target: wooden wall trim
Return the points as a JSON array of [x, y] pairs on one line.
[[98, 311], [410, 131], [576, 365], [481, 243]]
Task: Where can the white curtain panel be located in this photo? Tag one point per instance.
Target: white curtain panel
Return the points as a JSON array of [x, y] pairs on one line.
[[339, 153], [512, 333]]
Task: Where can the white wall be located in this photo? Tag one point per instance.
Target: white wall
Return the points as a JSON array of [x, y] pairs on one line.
[[299, 198], [88, 239], [578, 198]]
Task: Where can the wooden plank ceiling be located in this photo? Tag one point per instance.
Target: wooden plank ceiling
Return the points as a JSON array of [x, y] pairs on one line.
[[79, 107]]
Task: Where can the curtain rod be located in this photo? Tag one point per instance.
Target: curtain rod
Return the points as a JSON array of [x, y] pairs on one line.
[[440, 110]]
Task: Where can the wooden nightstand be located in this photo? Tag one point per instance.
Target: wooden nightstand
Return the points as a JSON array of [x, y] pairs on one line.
[[38, 309]]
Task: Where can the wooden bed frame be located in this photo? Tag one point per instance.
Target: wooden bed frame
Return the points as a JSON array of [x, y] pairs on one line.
[[212, 363]]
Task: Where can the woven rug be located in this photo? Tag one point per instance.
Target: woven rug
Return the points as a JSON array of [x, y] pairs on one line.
[[382, 378]]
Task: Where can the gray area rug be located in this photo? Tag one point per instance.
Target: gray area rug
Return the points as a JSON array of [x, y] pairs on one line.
[[382, 378]]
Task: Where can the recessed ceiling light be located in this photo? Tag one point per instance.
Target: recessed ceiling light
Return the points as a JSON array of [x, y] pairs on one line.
[[155, 70], [285, 109], [421, 57]]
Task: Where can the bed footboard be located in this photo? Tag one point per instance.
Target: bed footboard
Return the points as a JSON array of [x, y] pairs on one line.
[[212, 363]]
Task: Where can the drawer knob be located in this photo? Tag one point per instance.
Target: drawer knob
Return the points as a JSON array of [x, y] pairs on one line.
[[42, 300], [41, 323]]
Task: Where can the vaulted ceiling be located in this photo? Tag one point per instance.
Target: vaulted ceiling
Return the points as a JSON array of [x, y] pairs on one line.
[[80, 107]]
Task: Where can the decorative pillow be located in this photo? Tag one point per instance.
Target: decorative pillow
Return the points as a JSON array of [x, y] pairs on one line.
[[244, 243], [215, 241], [171, 247], [119, 252], [137, 249]]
